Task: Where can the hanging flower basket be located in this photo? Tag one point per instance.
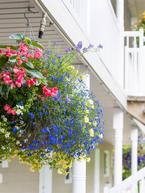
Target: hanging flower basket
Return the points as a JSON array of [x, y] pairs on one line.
[[47, 115]]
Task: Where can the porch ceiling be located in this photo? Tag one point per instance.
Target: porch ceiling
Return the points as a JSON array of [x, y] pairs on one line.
[[136, 7], [12, 20]]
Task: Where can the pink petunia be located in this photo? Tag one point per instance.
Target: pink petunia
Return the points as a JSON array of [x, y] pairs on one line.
[[23, 49], [31, 82], [38, 54], [46, 91], [6, 107]]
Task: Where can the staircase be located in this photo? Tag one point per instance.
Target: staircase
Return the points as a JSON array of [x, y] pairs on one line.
[[133, 184], [134, 85]]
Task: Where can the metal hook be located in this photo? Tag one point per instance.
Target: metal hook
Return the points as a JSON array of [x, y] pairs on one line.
[[27, 19]]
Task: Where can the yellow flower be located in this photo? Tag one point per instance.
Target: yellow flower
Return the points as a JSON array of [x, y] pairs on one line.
[[90, 103], [143, 15], [88, 159], [86, 119], [91, 132], [86, 111], [59, 171]]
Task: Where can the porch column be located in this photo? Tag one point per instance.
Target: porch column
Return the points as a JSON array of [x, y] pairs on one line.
[[97, 171], [45, 180], [118, 120], [79, 167], [79, 177], [120, 13], [134, 143]]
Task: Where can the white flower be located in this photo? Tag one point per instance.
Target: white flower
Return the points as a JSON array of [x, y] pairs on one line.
[[17, 142], [3, 147], [19, 112], [20, 107], [7, 135], [4, 118], [2, 130], [25, 140], [101, 136]]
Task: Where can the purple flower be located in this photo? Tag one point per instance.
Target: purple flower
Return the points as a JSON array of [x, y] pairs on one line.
[[100, 46], [79, 46]]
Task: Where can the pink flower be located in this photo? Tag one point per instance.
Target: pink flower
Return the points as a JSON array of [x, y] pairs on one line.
[[6, 107], [50, 92], [19, 61], [23, 49], [13, 112], [54, 91], [8, 52], [1, 51], [15, 70], [7, 79], [31, 82], [9, 110], [29, 56], [38, 54], [46, 91]]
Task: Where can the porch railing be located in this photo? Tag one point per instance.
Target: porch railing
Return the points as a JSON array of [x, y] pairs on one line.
[[134, 51], [133, 184]]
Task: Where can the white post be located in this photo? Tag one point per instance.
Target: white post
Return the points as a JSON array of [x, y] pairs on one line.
[[134, 164], [45, 180], [79, 177], [120, 13], [79, 167], [134, 143], [97, 171], [118, 120]]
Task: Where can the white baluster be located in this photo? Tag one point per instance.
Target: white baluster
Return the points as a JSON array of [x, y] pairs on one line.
[[142, 186]]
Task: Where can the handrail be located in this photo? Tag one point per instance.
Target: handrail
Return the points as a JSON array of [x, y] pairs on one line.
[[138, 176]]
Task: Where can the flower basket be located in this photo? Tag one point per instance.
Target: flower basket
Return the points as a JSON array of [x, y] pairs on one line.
[[47, 115]]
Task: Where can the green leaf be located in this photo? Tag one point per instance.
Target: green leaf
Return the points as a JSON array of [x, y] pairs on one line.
[[13, 59], [37, 44], [17, 36], [27, 41], [35, 74], [30, 65], [3, 60]]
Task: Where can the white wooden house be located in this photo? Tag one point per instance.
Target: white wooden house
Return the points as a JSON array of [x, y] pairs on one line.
[[115, 75]]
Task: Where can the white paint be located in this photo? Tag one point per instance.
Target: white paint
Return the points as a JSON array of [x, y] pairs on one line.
[[120, 13], [134, 63], [129, 182], [118, 121], [1, 178], [45, 180], [108, 68], [5, 164], [97, 171], [79, 177]]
